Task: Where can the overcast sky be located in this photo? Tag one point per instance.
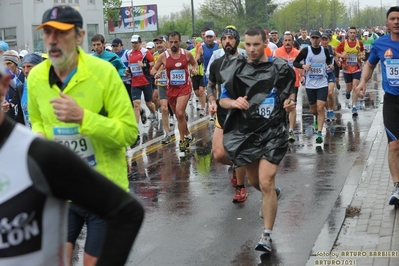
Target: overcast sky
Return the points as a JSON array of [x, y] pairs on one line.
[[166, 7]]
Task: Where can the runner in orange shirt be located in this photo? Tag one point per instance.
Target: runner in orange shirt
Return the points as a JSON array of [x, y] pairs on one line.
[[289, 53], [351, 51]]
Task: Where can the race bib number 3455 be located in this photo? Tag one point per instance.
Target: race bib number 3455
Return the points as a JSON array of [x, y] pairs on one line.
[[78, 143], [178, 77]]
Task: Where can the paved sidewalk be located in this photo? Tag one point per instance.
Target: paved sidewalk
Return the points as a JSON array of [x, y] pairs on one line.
[[369, 231]]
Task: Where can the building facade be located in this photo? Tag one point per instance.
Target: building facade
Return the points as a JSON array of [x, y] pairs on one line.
[[19, 18]]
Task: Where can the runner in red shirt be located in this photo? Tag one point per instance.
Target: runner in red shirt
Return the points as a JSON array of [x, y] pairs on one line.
[[176, 62], [140, 61]]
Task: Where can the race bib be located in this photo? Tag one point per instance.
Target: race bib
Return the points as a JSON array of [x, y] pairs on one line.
[[392, 72], [352, 60], [79, 143], [367, 46], [136, 69], [178, 77], [162, 80], [266, 108], [316, 71], [24, 107]]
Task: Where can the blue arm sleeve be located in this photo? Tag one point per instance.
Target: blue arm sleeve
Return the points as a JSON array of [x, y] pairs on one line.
[[225, 93], [373, 57]]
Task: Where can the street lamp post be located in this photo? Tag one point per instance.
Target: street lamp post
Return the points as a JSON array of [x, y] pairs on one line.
[[192, 16], [266, 16], [134, 25]]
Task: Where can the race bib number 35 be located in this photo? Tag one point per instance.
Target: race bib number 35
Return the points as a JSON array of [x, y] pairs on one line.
[[392, 72], [78, 143], [178, 77]]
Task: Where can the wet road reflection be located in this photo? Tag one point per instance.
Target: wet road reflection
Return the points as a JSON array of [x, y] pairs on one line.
[[190, 217]]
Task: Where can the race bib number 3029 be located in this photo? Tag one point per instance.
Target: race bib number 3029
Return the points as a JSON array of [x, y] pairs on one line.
[[78, 143]]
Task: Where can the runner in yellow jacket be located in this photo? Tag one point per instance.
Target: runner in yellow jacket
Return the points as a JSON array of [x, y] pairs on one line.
[[80, 101], [108, 122]]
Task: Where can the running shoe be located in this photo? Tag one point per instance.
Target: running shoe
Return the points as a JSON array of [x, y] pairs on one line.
[[278, 192], [332, 115], [233, 178], [212, 118], [183, 145], [348, 95], [315, 125], [264, 244], [354, 111], [394, 199], [291, 136], [240, 195], [171, 121], [143, 116], [202, 113], [166, 139], [186, 116], [152, 116], [190, 139], [154, 119], [319, 138], [338, 86]]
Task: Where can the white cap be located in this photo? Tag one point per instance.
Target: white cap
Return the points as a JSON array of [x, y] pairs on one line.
[[210, 33], [108, 47], [366, 33], [150, 45], [23, 53], [135, 38]]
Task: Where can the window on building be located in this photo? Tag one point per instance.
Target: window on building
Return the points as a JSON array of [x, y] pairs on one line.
[[92, 2], [92, 29], [76, 1], [9, 35], [38, 45], [69, 1], [55, 1], [63, 1]]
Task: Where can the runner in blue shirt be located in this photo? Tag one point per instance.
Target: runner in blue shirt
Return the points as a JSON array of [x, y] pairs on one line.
[[386, 50]]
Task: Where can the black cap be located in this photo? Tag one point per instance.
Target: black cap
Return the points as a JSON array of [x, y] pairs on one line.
[[116, 42], [315, 33], [325, 36], [159, 38], [62, 18]]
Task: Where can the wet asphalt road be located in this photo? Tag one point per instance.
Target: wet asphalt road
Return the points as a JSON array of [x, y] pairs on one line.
[[190, 218]]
